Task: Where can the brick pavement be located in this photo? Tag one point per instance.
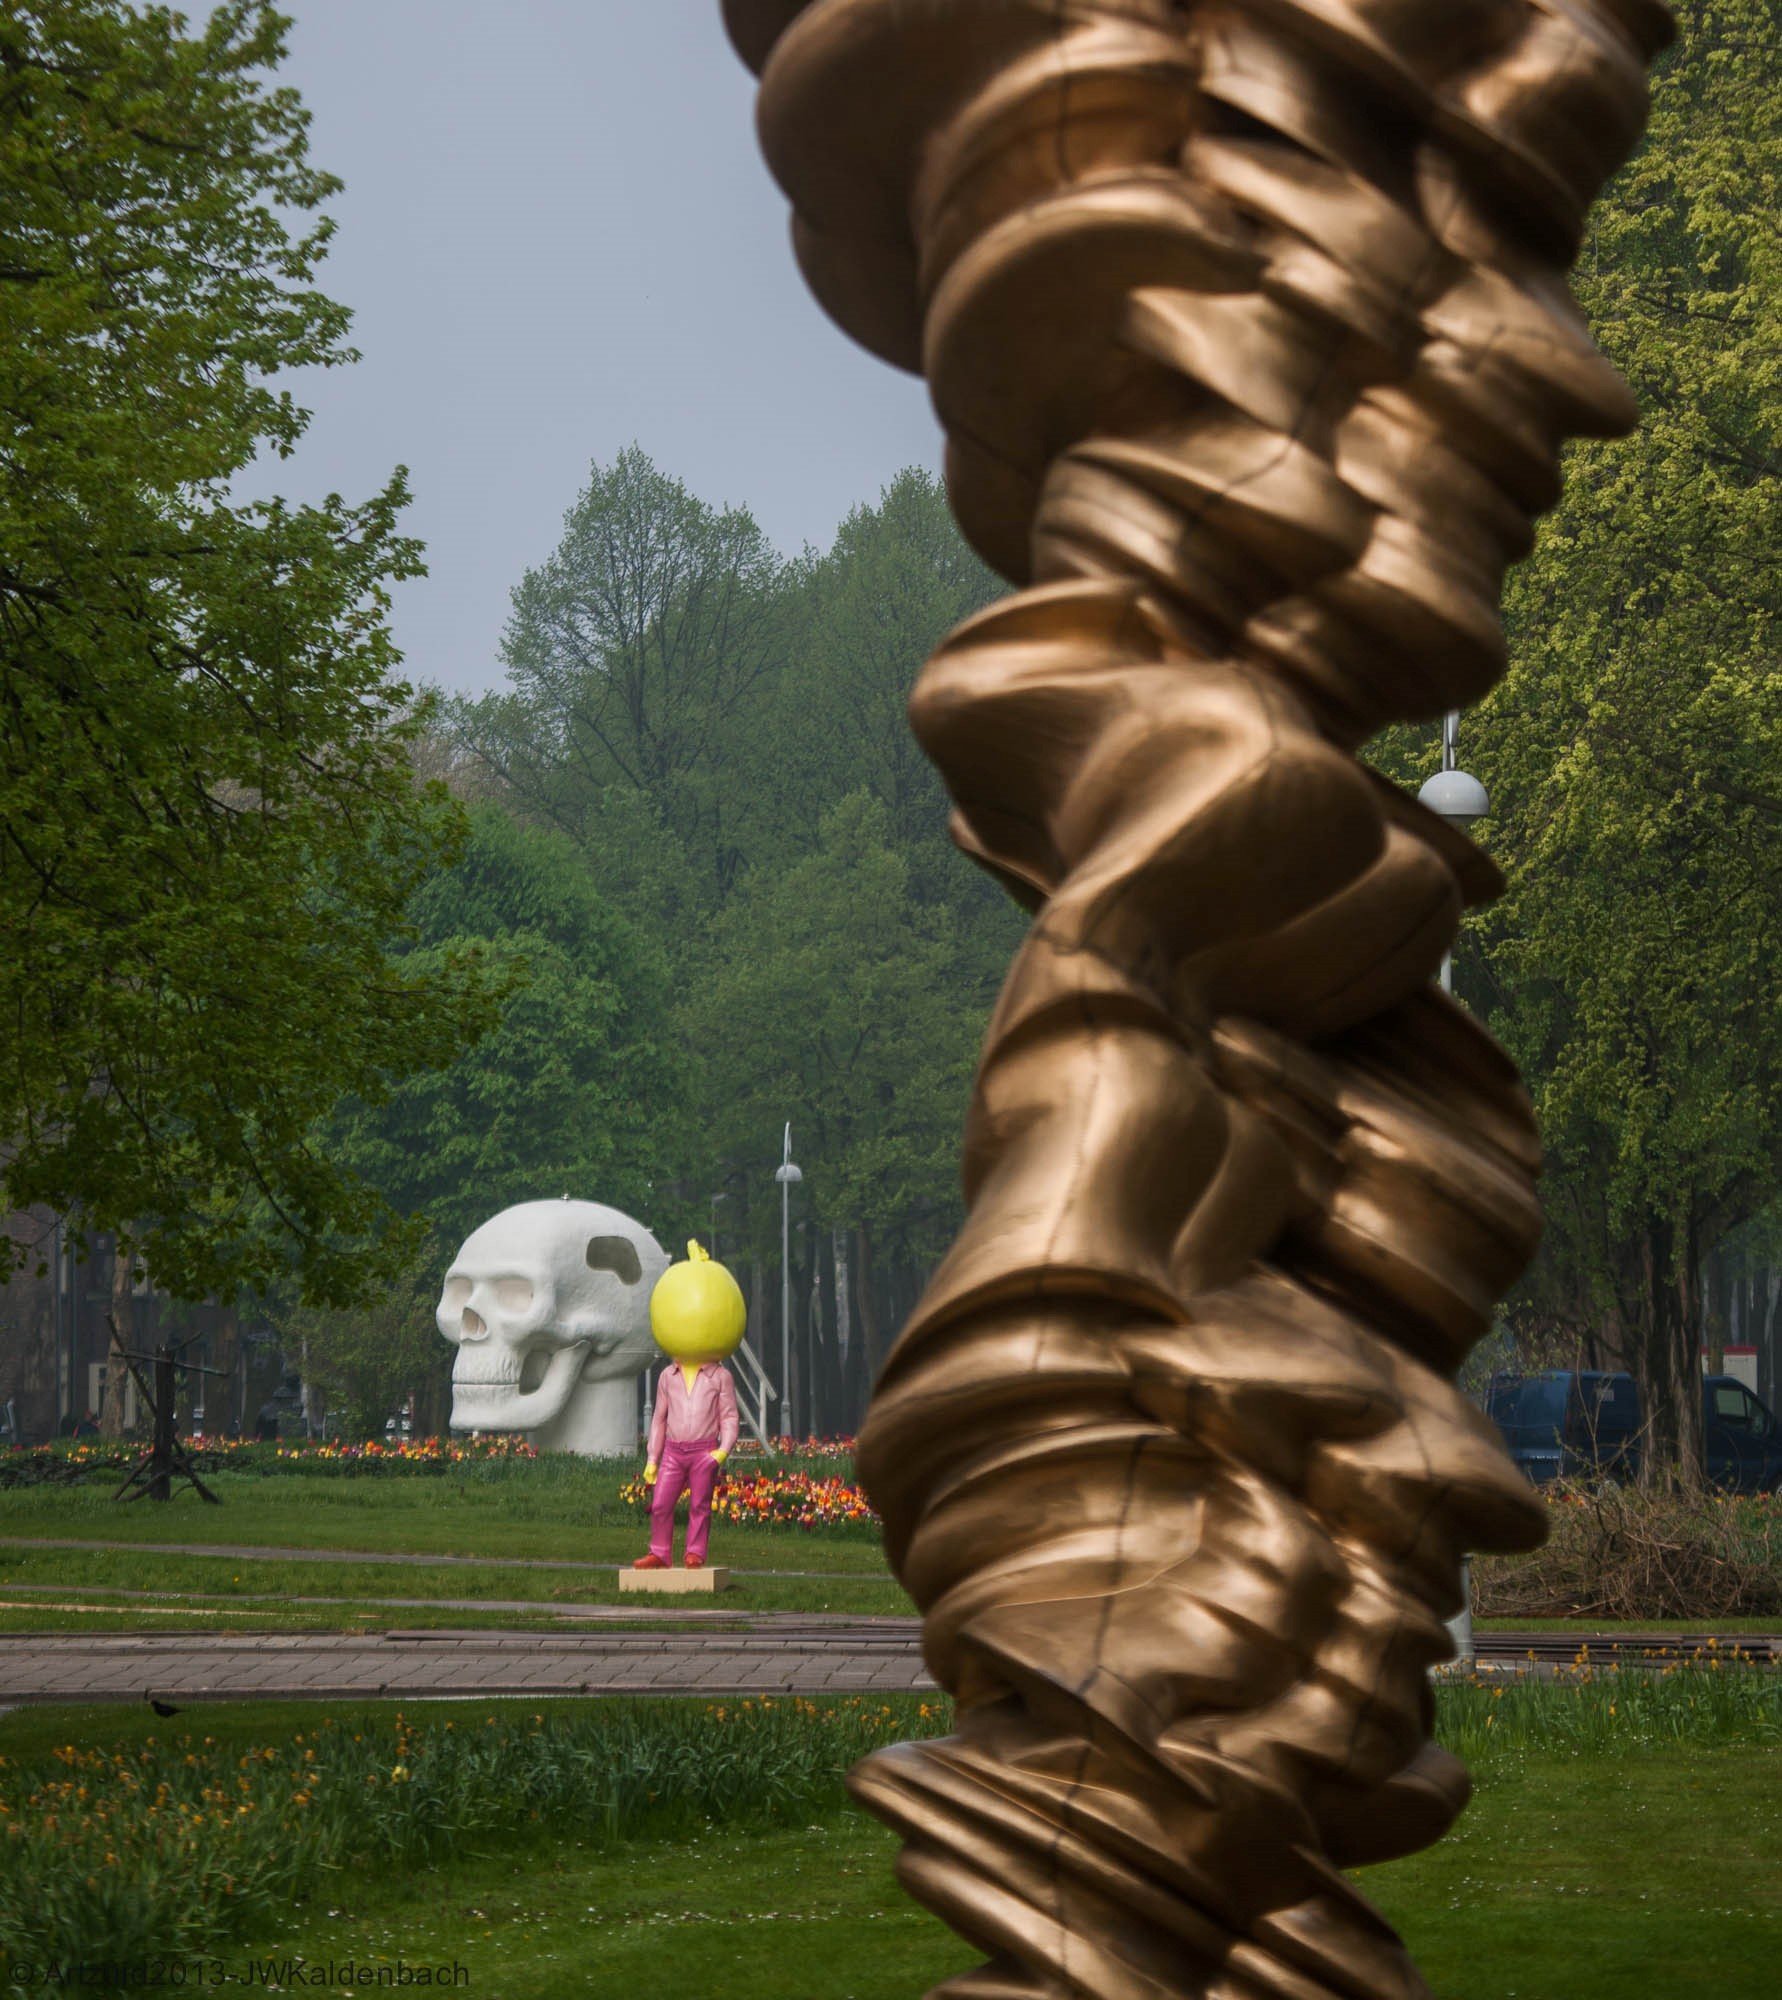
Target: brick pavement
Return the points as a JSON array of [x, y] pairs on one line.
[[800, 1657]]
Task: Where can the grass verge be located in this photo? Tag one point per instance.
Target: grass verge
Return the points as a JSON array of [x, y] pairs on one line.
[[1651, 1870], [132, 1841], [126, 1835], [242, 1593], [556, 1508]]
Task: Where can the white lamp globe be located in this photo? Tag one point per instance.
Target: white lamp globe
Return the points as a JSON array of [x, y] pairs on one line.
[[1457, 796]]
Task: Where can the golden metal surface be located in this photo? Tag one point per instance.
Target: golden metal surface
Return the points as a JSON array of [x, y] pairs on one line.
[[1248, 326]]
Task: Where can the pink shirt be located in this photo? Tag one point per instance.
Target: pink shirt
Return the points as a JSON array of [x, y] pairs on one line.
[[688, 1416]]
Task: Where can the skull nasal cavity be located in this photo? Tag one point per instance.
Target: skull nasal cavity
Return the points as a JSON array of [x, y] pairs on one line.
[[473, 1322], [614, 1253]]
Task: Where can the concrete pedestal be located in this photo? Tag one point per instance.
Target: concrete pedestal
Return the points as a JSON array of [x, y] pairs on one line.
[[675, 1582]]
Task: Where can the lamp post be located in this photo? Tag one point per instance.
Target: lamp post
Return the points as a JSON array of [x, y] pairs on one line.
[[1459, 798], [711, 1240], [786, 1174]]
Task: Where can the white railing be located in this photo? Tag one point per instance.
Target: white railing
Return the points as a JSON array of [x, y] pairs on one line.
[[754, 1384]]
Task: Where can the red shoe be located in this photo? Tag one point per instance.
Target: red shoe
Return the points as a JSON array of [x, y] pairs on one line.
[[695, 1562], [649, 1562]]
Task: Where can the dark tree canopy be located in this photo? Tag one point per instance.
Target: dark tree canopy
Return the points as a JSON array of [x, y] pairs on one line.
[[580, 1088]]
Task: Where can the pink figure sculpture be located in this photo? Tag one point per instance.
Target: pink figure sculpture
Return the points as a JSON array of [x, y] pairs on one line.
[[697, 1314]]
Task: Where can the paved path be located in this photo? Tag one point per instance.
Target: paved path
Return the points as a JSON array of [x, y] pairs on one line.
[[273, 1552], [802, 1654], [760, 1653]]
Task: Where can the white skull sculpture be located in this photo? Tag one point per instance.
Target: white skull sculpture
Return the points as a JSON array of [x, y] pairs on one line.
[[549, 1306]]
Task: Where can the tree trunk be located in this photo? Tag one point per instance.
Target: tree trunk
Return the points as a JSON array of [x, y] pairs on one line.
[[433, 1404], [843, 1329], [815, 1399], [836, 1421], [219, 1390], [1686, 1366], [867, 1304], [1668, 1355], [858, 1385], [117, 1375], [1771, 1361]]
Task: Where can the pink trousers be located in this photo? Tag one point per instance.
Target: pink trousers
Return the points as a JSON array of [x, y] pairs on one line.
[[687, 1466]]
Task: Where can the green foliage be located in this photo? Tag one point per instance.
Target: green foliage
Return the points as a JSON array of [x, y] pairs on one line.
[[1636, 747], [1634, 750], [368, 1359], [724, 737], [637, 652], [577, 1091], [836, 999], [897, 579], [209, 827]]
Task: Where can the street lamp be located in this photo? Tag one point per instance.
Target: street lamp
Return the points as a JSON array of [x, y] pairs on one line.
[[786, 1174], [1462, 801], [711, 1239]]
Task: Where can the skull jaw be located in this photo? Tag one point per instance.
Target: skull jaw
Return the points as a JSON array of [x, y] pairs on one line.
[[598, 1421], [499, 1406]]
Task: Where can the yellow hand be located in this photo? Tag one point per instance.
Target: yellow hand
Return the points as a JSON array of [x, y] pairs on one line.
[[718, 1457], [649, 1475]]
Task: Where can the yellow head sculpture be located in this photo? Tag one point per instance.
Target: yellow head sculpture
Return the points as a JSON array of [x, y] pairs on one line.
[[697, 1311]]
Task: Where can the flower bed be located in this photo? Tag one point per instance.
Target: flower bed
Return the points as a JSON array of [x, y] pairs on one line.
[[777, 1500], [67, 1463], [814, 1447]]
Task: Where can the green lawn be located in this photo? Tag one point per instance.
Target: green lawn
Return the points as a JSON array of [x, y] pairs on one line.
[[498, 1517], [1625, 1839], [494, 1515], [1651, 1873], [247, 1594], [565, 1510]]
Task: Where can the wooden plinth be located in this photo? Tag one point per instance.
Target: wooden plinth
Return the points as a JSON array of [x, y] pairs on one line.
[[674, 1582]]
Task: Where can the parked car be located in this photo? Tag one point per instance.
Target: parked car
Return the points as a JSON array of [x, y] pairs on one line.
[[1570, 1422]]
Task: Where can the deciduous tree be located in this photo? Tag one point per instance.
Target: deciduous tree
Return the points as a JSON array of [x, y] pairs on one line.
[[1634, 751], [578, 1091], [209, 828]]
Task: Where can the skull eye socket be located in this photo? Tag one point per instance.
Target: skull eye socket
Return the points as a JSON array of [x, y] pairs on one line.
[[457, 1293], [615, 1254], [513, 1294]]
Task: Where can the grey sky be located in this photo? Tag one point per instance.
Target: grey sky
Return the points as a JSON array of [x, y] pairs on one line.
[[557, 236]]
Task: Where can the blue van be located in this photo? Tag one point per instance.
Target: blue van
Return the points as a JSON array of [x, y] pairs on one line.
[[1570, 1422]]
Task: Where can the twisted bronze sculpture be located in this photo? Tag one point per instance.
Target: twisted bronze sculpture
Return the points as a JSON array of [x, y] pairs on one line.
[[1247, 323]]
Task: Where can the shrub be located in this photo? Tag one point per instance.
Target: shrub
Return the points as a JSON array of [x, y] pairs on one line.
[[1625, 1552]]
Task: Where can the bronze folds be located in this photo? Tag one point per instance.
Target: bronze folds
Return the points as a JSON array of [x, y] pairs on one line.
[[1248, 325]]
